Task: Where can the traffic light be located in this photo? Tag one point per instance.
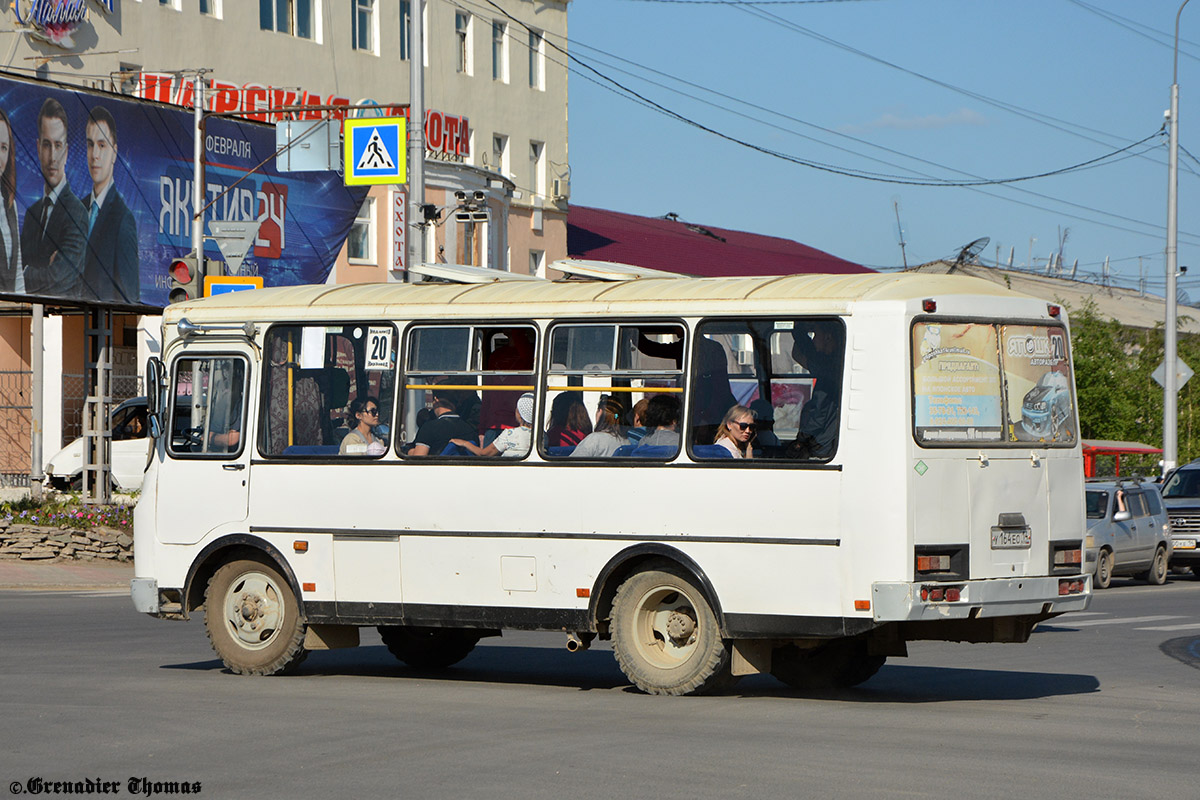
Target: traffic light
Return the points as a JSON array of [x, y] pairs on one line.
[[185, 279]]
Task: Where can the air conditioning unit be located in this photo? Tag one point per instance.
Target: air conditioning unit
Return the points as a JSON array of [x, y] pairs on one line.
[[562, 188]]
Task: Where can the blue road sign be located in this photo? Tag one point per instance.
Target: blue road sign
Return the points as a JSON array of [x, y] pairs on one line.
[[374, 150]]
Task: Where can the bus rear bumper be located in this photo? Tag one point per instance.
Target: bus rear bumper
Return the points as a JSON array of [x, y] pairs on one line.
[[978, 599]]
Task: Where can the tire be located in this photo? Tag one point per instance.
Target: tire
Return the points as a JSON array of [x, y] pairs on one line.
[[428, 648], [1157, 575], [665, 635], [1104, 568], [839, 664], [253, 619]]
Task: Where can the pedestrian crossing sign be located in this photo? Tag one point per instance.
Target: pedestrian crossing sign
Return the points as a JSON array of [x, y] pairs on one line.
[[373, 150]]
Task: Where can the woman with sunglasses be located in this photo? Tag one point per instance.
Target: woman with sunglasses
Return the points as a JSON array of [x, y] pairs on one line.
[[737, 432], [362, 419]]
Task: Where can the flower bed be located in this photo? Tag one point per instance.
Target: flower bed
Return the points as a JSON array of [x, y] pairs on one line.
[[32, 531]]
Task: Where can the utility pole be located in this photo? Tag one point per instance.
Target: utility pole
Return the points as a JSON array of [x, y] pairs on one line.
[[416, 140], [900, 231], [1170, 341], [198, 176]]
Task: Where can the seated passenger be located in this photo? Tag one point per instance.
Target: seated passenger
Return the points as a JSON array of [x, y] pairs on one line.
[[434, 435], [362, 419], [607, 437], [512, 442], [662, 420], [736, 432], [764, 417], [569, 422], [817, 436], [638, 431]]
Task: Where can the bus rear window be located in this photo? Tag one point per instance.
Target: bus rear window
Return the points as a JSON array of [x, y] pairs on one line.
[[991, 383]]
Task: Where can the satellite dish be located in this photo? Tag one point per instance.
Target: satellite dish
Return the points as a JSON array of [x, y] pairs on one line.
[[970, 253]]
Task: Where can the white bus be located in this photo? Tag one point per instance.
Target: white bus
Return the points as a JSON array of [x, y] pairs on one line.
[[901, 462]]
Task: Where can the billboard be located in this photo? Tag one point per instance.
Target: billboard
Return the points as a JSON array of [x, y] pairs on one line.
[[96, 193]]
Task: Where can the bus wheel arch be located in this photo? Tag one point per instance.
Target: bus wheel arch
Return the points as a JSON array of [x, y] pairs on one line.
[[227, 549], [635, 559]]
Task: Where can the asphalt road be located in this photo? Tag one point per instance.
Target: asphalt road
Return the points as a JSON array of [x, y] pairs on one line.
[[1103, 704]]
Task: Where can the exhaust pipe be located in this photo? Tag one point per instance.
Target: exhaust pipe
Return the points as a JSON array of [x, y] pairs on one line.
[[575, 644]]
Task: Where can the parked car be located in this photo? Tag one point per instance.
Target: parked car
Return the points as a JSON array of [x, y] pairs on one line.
[[129, 451], [1181, 494], [1127, 532]]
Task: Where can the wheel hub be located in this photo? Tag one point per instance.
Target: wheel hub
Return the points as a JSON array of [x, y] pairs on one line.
[[681, 624]]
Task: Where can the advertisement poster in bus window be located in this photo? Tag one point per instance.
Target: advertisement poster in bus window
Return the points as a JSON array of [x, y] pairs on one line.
[[1036, 363], [956, 382]]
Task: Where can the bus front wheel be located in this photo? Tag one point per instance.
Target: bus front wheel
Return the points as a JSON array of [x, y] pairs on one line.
[[665, 634], [253, 620], [428, 648]]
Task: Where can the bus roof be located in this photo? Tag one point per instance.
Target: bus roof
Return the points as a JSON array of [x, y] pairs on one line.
[[802, 293]]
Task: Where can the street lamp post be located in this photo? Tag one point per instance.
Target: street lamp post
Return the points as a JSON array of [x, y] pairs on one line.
[[1170, 334]]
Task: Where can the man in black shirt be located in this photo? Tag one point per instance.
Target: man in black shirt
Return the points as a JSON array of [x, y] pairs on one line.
[[435, 434]]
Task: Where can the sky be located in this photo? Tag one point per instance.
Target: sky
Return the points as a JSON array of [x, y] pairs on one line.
[[672, 104]]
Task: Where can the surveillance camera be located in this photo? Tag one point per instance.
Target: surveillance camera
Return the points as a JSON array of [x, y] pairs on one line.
[[1183, 270]]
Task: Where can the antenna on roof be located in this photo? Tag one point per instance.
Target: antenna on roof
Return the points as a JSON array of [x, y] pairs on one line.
[[970, 253]]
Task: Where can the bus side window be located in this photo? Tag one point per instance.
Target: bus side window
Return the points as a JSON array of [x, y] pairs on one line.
[[462, 384], [211, 394], [598, 373], [781, 377], [328, 390]]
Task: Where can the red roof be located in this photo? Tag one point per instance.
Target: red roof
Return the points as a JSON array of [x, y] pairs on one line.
[[691, 249]]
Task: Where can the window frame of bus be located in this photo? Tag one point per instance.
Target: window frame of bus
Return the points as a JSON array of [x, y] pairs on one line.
[[1003, 378], [474, 353], [266, 377], [228, 455], [547, 373], [782, 460]]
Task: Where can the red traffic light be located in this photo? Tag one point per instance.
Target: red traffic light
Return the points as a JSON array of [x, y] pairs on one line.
[[181, 271]]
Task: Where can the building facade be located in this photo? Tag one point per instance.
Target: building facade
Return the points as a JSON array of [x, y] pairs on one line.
[[495, 93]]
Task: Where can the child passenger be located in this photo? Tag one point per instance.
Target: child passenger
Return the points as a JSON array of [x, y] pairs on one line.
[[512, 442]]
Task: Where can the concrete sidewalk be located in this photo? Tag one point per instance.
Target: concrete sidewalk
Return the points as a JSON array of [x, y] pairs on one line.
[[64, 575]]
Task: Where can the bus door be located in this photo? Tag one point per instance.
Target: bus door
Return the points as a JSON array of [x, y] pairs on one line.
[[203, 484]]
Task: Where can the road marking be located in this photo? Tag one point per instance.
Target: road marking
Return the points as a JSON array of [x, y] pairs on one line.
[[1189, 626], [1119, 621]]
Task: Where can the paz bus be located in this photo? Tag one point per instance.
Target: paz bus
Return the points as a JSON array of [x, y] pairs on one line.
[[893, 488]]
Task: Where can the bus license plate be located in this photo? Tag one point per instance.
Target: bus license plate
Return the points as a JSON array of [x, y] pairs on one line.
[[1011, 539]]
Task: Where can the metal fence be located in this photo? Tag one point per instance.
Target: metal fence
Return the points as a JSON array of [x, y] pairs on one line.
[[16, 422], [74, 390]]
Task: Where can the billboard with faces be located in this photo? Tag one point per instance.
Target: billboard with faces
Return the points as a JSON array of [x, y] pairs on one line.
[[96, 198]]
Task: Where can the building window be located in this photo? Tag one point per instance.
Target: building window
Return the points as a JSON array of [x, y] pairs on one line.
[[537, 168], [537, 261], [360, 244], [405, 28], [129, 78], [294, 17], [536, 55], [500, 153], [499, 52], [363, 25], [211, 8], [169, 4], [462, 33]]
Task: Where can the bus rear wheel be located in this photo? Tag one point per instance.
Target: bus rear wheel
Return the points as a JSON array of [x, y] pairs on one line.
[[665, 634], [428, 648], [838, 664], [253, 619]]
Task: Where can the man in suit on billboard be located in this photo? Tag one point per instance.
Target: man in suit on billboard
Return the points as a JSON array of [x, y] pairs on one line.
[[110, 265], [54, 232]]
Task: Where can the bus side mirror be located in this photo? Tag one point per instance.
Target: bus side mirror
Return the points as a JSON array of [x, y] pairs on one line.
[[155, 372], [1122, 516]]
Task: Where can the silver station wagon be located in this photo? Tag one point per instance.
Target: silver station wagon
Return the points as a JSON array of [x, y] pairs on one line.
[[1127, 532]]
